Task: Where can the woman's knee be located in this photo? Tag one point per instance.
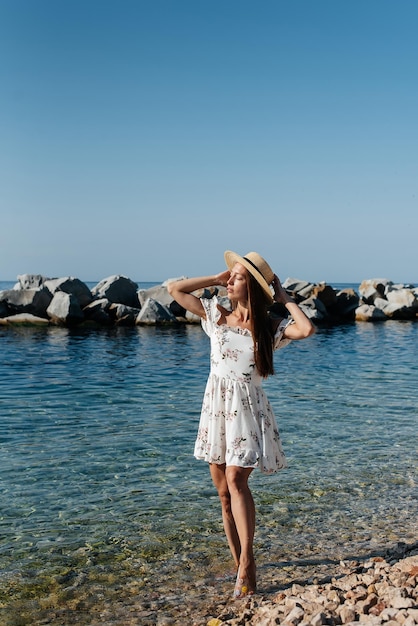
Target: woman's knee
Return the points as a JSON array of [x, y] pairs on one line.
[[225, 499], [237, 478]]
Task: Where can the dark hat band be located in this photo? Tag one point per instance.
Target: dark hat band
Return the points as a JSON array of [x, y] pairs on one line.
[[255, 267]]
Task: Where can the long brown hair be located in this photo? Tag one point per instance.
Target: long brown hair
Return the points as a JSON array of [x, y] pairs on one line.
[[261, 327]]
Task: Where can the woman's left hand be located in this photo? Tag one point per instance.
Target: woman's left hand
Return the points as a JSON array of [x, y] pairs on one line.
[[280, 294]]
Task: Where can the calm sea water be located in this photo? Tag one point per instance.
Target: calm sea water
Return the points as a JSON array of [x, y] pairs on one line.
[[100, 497]]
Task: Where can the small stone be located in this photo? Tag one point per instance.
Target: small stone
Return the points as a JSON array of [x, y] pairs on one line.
[[347, 614], [357, 594], [388, 613], [370, 602], [318, 619], [295, 616], [333, 596], [279, 597], [401, 616], [377, 608], [414, 614], [402, 603], [292, 601], [330, 607]]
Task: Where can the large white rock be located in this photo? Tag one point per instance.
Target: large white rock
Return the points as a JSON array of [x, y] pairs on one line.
[[378, 284], [97, 311], [369, 313], [124, 314], [153, 312], [402, 297], [118, 289], [390, 309], [34, 301], [70, 285], [65, 309], [314, 309], [158, 292], [30, 281], [295, 285]]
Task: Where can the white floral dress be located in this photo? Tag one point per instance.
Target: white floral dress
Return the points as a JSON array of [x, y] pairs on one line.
[[237, 424]]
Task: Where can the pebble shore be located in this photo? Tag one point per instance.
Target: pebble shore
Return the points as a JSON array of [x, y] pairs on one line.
[[380, 591]]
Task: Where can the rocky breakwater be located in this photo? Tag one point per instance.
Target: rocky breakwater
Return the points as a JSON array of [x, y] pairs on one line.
[[117, 300], [381, 591], [377, 300]]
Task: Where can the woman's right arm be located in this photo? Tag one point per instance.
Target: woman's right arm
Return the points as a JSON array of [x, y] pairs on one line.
[[181, 290]]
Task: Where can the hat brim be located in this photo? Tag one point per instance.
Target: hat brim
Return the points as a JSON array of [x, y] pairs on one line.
[[232, 257]]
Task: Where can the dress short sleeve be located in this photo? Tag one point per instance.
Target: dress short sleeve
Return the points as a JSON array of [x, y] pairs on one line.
[[279, 341], [212, 312]]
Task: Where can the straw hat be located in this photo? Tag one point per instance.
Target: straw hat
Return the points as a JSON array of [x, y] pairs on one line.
[[256, 265]]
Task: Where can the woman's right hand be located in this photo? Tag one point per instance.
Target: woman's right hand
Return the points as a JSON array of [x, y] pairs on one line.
[[222, 278]]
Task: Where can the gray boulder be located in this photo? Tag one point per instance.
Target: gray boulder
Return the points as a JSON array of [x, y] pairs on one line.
[[34, 301], [369, 313], [30, 281], [72, 286], [402, 297], [117, 289], [98, 312], [153, 312], [158, 292], [297, 287], [394, 301], [4, 309], [346, 304], [326, 294], [314, 309], [124, 315], [390, 309], [373, 288], [65, 309]]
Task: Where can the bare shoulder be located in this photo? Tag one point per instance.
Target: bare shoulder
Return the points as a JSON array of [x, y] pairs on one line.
[[224, 313]]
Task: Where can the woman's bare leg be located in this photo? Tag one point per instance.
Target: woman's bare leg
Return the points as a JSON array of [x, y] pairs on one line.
[[243, 511], [219, 480]]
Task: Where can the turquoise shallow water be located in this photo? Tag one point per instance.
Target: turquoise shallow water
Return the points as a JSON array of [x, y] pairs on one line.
[[100, 497]]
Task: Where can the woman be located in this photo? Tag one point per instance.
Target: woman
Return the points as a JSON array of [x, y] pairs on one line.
[[238, 430]]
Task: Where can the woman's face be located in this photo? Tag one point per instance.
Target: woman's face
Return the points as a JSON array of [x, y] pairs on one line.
[[237, 284]]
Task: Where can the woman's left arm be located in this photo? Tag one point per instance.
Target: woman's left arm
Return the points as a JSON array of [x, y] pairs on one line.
[[302, 326]]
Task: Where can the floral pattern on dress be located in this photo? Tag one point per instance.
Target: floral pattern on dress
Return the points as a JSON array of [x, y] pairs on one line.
[[237, 423]]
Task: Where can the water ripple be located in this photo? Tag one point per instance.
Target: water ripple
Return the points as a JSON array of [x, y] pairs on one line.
[[96, 437]]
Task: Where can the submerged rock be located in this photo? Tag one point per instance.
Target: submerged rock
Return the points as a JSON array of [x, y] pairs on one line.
[[24, 319]]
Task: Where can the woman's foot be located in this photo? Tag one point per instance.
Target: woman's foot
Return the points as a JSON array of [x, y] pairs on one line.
[[245, 584]]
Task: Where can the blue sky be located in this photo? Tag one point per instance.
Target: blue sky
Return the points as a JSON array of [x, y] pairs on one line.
[[144, 138]]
